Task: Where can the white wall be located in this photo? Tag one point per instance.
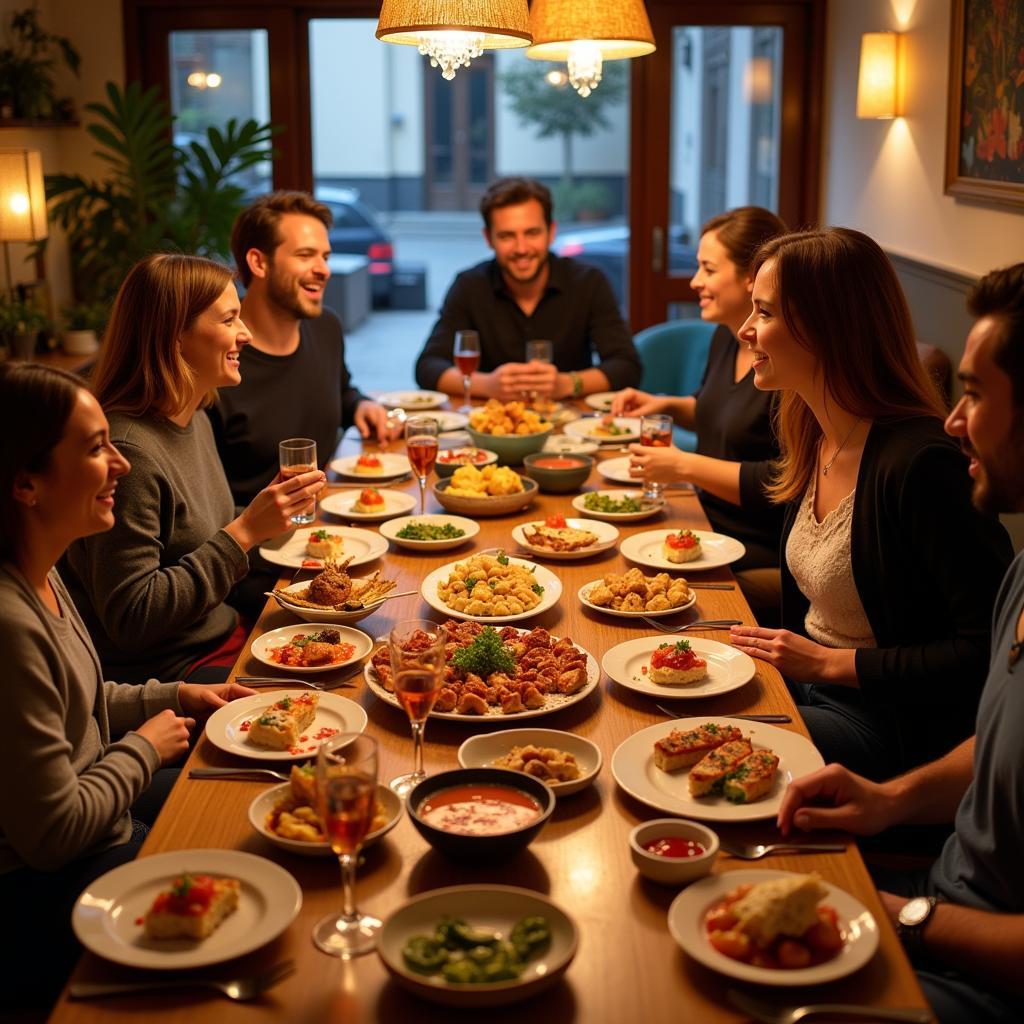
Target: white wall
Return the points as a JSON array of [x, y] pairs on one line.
[[886, 177]]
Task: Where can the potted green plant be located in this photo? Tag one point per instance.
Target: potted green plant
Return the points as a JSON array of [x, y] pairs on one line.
[[83, 325], [29, 55], [20, 324]]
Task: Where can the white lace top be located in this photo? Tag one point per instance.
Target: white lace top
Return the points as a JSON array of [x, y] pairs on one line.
[[818, 556]]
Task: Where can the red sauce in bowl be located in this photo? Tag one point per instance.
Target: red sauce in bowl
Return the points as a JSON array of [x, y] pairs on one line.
[[479, 809], [556, 462], [674, 847]]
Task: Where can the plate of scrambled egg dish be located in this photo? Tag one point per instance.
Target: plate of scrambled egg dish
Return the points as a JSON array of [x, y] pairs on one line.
[[491, 491], [491, 588]]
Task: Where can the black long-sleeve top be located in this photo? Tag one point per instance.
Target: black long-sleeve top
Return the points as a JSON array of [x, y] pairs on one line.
[[577, 313], [927, 566]]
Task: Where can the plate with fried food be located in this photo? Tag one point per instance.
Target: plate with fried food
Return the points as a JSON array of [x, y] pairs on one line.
[[314, 547], [505, 419], [304, 650], [430, 532], [632, 594], [468, 497], [682, 550], [287, 816], [497, 673], [491, 588], [617, 506], [605, 428], [370, 505], [566, 762], [565, 539], [333, 596], [372, 466]]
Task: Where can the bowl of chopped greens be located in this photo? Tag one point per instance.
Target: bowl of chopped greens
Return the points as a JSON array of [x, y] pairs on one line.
[[477, 945], [429, 532], [617, 506]]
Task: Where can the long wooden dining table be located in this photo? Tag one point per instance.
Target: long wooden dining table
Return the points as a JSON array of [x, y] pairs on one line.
[[628, 967]]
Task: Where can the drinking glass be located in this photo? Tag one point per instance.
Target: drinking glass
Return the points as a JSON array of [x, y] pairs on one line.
[[298, 455], [655, 432], [467, 359], [417, 668], [538, 351], [421, 448], [346, 789]]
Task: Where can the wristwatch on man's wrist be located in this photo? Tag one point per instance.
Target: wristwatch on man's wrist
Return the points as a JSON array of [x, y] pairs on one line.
[[911, 921]]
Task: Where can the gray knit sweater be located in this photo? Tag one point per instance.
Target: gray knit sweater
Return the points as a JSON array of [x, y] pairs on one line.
[[67, 788], [152, 589]]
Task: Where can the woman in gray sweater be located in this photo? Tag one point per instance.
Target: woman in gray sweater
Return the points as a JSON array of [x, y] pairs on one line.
[[151, 590], [78, 752]]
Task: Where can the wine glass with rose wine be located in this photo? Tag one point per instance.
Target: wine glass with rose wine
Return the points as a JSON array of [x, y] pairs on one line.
[[421, 448], [417, 654], [346, 789], [655, 432], [467, 359]]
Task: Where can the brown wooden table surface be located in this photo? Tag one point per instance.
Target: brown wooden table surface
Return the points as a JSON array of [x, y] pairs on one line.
[[627, 967]]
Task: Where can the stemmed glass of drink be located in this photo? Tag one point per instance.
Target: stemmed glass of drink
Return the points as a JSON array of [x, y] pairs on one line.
[[298, 455], [538, 351], [346, 789], [655, 432], [421, 448], [417, 669], [467, 359]]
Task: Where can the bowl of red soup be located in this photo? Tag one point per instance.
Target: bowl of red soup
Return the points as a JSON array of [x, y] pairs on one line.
[[673, 851], [558, 472], [480, 814], [450, 459]]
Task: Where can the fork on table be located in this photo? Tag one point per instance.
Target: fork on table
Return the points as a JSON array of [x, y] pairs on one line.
[[238, 989], [755, 851], [770, 1014], [700, 624], [237, 773], [284, 681]]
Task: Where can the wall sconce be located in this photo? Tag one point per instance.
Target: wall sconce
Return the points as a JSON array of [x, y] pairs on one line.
[[879, 86], [204, 80], [22, 200], [585, 34], [452, 32]]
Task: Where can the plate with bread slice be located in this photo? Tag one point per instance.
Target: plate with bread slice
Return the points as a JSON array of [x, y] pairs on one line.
[[668, 666], [713, 769], [682, 550]]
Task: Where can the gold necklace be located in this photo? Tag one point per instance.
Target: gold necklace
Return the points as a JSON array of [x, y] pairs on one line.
[[835, 454]]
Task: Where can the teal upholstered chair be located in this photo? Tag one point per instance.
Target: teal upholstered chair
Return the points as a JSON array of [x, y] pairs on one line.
[[674, 355]]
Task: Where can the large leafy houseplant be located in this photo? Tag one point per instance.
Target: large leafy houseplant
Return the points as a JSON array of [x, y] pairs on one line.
[[156, 195]]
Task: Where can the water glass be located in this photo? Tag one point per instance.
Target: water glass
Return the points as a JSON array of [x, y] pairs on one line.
[[655, 432], [298, 455]]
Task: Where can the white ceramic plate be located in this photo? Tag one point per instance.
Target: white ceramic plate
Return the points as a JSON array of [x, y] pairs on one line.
[[391, 465], [601, 400], [496, 907], [261, 807], [545, 577], [617, 470], [274, 638], [633, 769], [585, 589], [289, 549], [606, 538], [224, 726], [562, 445], [446, 421], [391, 530], [320, 614], [482, 750], [552, 703], [651, 507], [686, 925], [728, 668], [584, 427], [104, 916], [396, 503], [717, 550], [413, 401]]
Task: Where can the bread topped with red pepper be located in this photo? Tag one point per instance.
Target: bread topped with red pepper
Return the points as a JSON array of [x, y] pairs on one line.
[[192, 908], [681, 749], [682, 546], [369, 500]]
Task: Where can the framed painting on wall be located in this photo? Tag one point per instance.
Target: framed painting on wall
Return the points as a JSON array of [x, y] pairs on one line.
[[985, 138]]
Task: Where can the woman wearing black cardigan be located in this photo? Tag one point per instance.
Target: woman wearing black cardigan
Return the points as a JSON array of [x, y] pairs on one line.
[[889, 574]]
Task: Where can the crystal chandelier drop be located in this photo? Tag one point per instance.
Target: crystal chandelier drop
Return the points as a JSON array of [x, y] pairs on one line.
[[450, 51], [585, 63]]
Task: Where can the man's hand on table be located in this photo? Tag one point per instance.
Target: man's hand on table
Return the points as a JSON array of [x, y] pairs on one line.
[[835, 798], [371, 418], [201, 701], [511, 381]]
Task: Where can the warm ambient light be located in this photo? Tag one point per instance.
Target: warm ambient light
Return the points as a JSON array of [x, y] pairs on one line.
[[453, 32], [204, 80], [22, 196], [878, 87], [585, 34]]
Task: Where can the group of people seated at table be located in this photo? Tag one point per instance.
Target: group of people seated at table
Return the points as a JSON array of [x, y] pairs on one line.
[[820, 445]]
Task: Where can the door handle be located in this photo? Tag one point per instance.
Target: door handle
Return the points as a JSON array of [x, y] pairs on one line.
[[657, 250]]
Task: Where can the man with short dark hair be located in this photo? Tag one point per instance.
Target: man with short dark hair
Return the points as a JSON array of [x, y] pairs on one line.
[[964, 928], [525, 293], [294, 379]]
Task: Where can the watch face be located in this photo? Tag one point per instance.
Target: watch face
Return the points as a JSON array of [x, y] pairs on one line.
[[914, 912]]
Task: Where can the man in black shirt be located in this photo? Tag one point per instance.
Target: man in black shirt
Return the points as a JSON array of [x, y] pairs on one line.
[[525, 293]]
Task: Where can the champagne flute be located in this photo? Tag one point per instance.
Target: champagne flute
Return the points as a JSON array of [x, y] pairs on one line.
[[417, 668], [346, 789], [421, 448], [467, 359], [655, 432], [538, 351], [298, 455]]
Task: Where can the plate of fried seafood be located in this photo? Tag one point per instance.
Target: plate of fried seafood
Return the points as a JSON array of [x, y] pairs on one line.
[[632, 594], [560, 538], [314, 547], [491, 673], [333, 596], [286, 815]]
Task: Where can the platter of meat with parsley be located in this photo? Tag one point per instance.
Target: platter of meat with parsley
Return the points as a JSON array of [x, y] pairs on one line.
[[494, 673]]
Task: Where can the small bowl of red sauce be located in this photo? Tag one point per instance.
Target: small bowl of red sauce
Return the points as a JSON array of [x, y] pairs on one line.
[[673, 851], [558, 472]]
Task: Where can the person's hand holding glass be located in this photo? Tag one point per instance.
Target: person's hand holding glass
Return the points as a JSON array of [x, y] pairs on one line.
[[297, 456], [467, 359], [417, 668], [655, 432], [538, 351], [346, 789], [421, 448]]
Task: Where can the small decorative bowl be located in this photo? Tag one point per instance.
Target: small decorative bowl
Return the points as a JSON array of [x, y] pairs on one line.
[[511, 448], [673, 870], [480, 849], [445, 469], [561, 479]]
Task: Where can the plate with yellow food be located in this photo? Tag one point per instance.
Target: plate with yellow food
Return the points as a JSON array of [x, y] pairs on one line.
[[565, 539], [631, 594], [286, 815], [491, 491], [313, 547], [491, 588], [371, 504], [682, 550], [510, 429], [372, 466], [606, 428]]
